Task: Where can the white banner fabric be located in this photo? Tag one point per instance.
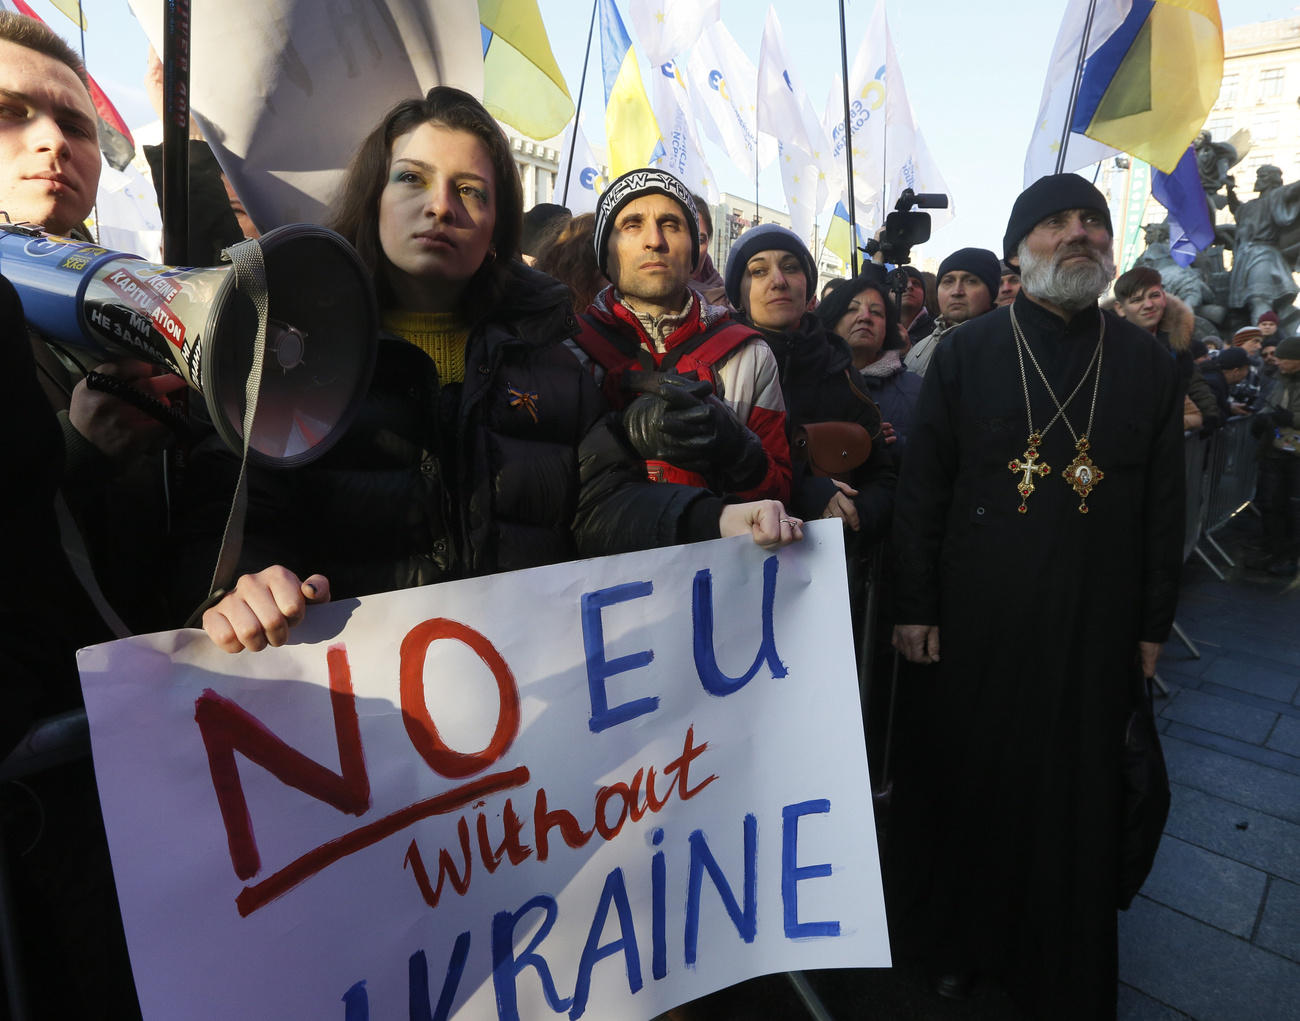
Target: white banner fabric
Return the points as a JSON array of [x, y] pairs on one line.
[[599, 788]]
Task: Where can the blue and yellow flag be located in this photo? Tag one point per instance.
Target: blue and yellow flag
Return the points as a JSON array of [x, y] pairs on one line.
[[1181, 193], [1149, 87], [631, 131], [839, 235], [522, 84]]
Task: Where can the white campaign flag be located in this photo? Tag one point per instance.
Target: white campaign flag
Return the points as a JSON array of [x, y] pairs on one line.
[[799, 179], [1054, 109], [668, 28], [887, 146], [722, 83], [809, 174], [285, 90], [585, 174], [780, 110], [866, 191], [683, 156]]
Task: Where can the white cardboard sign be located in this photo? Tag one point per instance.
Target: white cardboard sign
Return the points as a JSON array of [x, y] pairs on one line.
[[601, 788]]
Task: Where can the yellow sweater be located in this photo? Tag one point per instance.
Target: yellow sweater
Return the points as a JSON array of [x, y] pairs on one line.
[[440, 335]]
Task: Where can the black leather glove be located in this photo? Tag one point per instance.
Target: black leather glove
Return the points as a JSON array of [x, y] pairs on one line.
[[692, 429], [644, 418]]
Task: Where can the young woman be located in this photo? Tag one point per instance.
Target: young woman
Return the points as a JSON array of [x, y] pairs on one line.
[[771, 278], [482, 445], [862, 313]]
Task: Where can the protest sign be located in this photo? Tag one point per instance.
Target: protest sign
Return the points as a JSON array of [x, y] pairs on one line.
[[600, 788]]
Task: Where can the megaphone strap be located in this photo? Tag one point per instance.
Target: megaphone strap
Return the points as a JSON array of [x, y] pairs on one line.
[[250, 277]]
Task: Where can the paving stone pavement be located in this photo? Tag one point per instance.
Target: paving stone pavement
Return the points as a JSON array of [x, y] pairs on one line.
[[1215, 933]]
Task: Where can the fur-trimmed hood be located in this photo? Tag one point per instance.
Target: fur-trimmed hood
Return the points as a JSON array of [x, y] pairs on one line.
[[1177, 324]]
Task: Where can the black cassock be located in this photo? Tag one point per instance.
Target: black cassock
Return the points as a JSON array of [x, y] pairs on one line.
[[1002, 848]]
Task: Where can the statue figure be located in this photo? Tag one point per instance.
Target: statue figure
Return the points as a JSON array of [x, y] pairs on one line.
[[1214, 160], [1182, 282], [1264, 247]]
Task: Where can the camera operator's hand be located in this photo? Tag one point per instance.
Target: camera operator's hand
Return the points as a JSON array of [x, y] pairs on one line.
[[878, 256]]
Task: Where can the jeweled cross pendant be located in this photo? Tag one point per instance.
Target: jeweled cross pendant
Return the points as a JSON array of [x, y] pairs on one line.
[[1030, 466], [1082, 474]]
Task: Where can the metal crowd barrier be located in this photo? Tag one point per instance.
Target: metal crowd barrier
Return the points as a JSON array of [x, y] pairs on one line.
[[1229, 484], [1196, 452]]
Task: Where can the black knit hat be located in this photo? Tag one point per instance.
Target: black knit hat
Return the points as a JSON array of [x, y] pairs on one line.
[[764, 238], [1052, 194], [979, 261], [633, 185], [1232, 358], [1288, 348]]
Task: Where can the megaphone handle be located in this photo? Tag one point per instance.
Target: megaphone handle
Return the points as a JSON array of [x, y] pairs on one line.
[[250, 277], [150, 405]]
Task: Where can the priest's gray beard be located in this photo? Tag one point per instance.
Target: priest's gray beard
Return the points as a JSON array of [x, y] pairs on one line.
[[1071, 287]]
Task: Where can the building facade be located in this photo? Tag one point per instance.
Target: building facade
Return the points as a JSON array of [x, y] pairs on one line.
[[1261, 95]]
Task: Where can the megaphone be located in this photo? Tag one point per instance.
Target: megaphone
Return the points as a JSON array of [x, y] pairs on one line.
[[321, 335]]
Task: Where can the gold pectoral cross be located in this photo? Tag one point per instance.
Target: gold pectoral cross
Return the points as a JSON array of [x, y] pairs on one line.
[[1030, 466], [1082, 474]]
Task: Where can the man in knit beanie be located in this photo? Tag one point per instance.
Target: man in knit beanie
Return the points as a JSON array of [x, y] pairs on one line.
[[968, 283], [699, 393]]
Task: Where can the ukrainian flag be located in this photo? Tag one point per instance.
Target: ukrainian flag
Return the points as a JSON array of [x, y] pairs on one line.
[[839, 235], [1149, 87], [631, 131], [522, 84]]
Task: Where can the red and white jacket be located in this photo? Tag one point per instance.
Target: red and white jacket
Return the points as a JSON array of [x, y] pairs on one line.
[[708, 345]]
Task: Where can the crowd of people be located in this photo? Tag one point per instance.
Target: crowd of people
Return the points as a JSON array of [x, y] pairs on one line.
[[549, 387]]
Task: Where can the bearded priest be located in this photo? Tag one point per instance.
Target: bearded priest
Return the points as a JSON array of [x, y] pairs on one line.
[[1039, 531]]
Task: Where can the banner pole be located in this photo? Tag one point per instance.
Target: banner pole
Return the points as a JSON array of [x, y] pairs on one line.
[[1074, 87], [848, 141], [577, 111], [176, 131]]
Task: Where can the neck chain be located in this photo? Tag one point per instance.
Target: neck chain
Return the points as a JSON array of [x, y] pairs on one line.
[[1081, 474]]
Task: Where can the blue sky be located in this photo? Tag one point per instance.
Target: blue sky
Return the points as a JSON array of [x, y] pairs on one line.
[[974, 75]]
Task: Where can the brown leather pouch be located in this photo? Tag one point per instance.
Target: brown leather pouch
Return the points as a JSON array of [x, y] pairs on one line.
[[832, 449]]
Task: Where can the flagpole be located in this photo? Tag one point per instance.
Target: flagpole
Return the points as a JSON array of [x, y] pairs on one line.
[[848, 141], [1074, 88], [176, 130], [884, 135], [577, 112]]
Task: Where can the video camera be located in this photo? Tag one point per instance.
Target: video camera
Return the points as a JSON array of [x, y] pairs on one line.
[[904, 228]]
